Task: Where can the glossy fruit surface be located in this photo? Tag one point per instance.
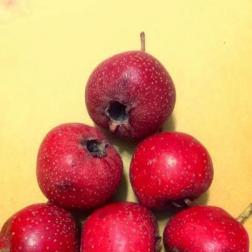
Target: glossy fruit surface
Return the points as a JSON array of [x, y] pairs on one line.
[[131, 94], [40, 228], [77, 167], [205, 229], [170, 168], [120, 227]]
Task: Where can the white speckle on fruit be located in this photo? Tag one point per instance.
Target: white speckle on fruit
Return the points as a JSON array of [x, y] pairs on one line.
[[140, 82], [120, 227], [71, 175], [171, 161], [179, 171]]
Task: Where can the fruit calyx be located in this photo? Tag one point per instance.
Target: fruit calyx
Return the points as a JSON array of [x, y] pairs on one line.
[[95, 147], [118, 115], [117, 112]]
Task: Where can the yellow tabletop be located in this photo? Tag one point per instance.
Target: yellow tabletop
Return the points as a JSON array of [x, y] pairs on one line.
[[48, 49]]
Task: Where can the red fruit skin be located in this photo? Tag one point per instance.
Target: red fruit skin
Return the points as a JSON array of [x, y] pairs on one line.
[[69, 175], [120, 227], [137, 80], [169, 168], [205, 229], [40, 228], [4, 243]]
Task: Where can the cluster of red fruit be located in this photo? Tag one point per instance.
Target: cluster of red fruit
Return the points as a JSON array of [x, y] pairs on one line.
[[131, 94]]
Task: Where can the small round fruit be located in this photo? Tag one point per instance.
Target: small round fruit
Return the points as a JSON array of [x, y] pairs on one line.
[[120, 227], [131, 94], [170, 168], [40, 228], [205, 229], [77, 167]]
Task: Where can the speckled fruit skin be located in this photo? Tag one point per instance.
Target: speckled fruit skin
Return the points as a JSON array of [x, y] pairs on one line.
[[40, 228], [120, 227], [169, 168], [205, 229], [69, 175], [138, 81]]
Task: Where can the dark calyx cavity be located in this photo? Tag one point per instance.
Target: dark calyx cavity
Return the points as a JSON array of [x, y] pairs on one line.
[[117, 111], [95, 147]]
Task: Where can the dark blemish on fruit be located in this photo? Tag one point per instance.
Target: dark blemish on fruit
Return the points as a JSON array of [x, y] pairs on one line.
[[65, 186], [175, 250], [95, 148]]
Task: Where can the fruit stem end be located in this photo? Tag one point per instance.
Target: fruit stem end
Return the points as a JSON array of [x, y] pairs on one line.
[[245, 214], [142, 36]]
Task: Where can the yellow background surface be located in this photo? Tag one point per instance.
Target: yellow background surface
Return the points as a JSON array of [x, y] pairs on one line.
[[48, 49]]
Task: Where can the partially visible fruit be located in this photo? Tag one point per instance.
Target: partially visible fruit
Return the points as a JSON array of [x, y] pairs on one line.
[[40, 228], [205, 229], [120, 227]]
